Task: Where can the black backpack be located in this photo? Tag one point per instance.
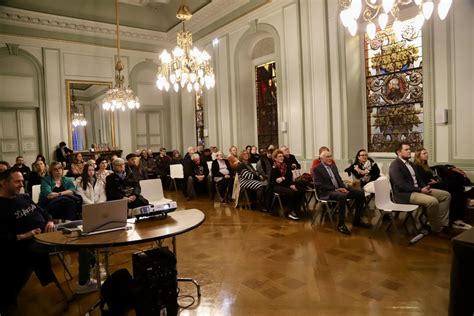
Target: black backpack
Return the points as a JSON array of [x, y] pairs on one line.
[[117, 293]]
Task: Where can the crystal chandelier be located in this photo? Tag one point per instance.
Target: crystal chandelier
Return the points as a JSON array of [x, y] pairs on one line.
[[119, 97], [78, 118], [187, 66], [374, 11]]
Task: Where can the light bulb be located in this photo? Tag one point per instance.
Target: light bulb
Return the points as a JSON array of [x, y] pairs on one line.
[[176, 87], [387, 5], [371, 30], [352, 27], [443, 8], [419, 20], [356, 7], [383, 19], [427, 9], [345, 16]]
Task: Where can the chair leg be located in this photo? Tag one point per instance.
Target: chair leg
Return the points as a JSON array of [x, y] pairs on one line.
[[173, 183], [247, 200], [60, 256], [63, 293], [377, 225], [281, 212]]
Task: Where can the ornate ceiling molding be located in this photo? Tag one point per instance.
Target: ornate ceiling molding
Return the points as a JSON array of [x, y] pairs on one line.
[[36, 20]]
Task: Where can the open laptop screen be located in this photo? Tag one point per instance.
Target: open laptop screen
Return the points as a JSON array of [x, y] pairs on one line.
[[104, 216]]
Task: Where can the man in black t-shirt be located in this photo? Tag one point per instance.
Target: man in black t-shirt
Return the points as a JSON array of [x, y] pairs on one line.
[[20, 220]]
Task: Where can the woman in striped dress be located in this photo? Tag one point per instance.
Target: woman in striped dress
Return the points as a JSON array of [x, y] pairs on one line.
[[251, 180]]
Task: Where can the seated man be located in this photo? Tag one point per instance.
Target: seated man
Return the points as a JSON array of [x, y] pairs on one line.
[[122, 185], [408, 188], [4, 166], [20, 166], [329, 185], [20, 220], [290, 159], [195, 175]]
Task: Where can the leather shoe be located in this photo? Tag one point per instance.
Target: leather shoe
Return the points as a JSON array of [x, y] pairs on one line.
[[342, 228], [361, 224]]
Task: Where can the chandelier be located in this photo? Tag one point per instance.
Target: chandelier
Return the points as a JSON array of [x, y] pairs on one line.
[[187, 66], [119, 97], [379, 11], [78, 118]]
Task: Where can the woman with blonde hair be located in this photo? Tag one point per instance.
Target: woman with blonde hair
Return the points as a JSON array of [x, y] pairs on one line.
[[57, 194], [250, 179], [282, 182], [434, 178]]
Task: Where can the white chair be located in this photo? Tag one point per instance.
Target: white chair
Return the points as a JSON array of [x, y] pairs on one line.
[[152, 190], [254, 165], [176, 172], [35, 192], [385, 205], [209, 166]]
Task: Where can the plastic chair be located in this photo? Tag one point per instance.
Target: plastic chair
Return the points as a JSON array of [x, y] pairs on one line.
[[176, 172], [281, 210], [385, 205], [329, 208], [35, 192], [152, 190]]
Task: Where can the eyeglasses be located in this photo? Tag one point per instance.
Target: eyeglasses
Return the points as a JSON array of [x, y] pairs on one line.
[[363, 155]]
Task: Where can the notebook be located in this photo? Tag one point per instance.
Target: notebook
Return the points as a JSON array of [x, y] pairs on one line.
[[104, 217]]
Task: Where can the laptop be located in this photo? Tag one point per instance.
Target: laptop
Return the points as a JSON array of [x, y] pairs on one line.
[[104, 217]]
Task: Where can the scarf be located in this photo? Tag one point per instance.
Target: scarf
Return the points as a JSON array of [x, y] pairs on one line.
[[281, 167]]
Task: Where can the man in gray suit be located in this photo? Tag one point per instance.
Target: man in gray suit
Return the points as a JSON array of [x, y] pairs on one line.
[[408, 188], [330, 186]]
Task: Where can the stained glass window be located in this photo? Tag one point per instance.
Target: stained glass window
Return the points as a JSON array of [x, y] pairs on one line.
[[267, 110], [199, 110], [394, 88]]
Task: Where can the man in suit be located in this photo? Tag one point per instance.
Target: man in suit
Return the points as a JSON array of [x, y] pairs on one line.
[[408, 188], [329, 184]]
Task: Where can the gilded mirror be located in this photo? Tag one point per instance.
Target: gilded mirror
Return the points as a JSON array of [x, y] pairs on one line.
[[88, 125]]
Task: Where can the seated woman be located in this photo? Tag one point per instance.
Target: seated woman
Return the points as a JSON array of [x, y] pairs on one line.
[[38, 157], [57, 194], [122, 185], [102, 170], [89, 187], [254, 156], [364, 168], [176, 158], [437, 181], [250, 179], [232, 157], [222, 175], [281, 181], [37, 176]]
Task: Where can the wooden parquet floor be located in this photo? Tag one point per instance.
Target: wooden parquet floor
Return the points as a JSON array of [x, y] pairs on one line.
[[252, 263]]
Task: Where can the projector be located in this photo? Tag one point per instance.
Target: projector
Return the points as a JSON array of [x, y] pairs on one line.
[[159, 210]]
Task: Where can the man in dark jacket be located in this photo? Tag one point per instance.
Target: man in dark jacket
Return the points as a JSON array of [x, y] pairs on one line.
[[409, 188], [330, 186], [195, 176], [122, 185]]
